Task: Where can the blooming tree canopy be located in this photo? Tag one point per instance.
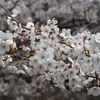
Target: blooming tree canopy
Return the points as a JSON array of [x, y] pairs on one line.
[[52, 54]]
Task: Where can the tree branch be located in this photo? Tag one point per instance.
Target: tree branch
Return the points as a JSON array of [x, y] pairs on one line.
[[7, 12]]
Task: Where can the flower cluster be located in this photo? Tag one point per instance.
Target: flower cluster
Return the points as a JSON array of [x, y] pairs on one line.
[[52, 54], [85, 13]]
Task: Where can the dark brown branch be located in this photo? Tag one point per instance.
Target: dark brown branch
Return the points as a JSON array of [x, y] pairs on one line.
[[95, 77], [15, 4], [13, 54], [90, 76]]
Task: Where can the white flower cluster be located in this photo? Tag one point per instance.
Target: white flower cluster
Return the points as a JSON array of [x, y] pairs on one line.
[[52, 54]]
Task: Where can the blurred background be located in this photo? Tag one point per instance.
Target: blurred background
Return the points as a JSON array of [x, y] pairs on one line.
[[77, 15]]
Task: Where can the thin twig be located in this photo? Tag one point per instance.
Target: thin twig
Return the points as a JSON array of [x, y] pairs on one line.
[[11, 16], [15, 4], [95, 77], [13, 54], [7, 12]]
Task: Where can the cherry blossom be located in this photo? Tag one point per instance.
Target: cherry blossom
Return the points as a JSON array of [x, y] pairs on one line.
[[95, 91], [52, 54]]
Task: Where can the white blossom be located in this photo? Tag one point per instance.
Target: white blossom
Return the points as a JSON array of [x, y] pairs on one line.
[[95, 91]]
